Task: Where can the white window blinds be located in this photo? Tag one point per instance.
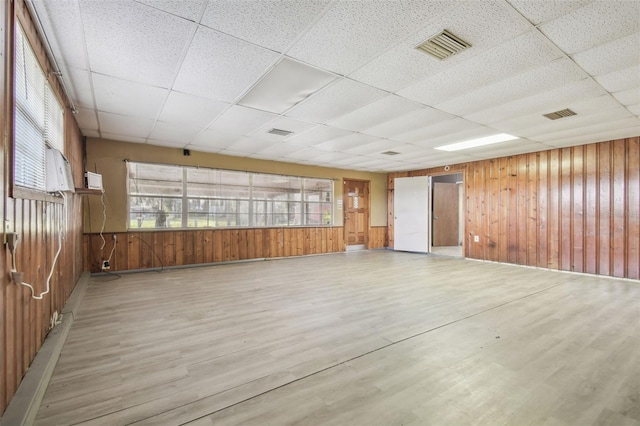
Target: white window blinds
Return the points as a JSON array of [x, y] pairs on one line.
[[38, 117]]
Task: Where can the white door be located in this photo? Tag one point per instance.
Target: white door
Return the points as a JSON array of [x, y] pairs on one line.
[[411, 214]]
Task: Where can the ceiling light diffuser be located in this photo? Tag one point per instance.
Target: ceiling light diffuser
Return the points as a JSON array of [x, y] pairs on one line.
[[473, 143]]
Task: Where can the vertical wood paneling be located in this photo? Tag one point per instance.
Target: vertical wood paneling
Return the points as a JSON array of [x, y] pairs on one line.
[[543, 212], [591, 208], [604, 209], [574, 209], [532, 210], [578, 209], [566, 213], [632, 229], [618, 216]]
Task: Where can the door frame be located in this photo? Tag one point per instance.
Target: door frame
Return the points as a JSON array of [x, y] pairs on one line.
[[461, 209], [345, 203]]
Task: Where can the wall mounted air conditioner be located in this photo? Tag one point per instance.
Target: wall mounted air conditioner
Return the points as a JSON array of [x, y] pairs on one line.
[[59, 176], [94, 181]]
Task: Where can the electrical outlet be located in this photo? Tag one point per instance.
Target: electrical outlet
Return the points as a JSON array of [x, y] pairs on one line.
[[476, 238], [105, 265]]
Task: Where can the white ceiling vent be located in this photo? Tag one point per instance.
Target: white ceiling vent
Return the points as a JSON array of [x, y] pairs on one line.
[[279, 132], [390, 153], [443, 45], [559, 114]]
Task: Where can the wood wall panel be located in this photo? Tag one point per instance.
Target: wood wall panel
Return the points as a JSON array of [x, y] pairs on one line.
[[574, 209], [157, 249], [35, 217]]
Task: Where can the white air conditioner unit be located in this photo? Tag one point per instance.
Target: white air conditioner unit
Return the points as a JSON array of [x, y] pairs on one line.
[[59, 177], [94, 181]]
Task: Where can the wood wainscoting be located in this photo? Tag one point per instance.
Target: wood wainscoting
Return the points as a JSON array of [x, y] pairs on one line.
[[157, 249], [378, 237]]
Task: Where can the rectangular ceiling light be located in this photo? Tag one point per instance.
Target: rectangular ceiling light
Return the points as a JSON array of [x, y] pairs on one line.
[[488, 140], [443, 45], [287, 84]]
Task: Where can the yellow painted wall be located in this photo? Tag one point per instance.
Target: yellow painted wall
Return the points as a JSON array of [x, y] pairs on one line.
[[108, 157]]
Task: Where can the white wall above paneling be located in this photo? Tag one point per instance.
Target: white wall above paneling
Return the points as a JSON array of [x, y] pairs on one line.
[[344, 76]]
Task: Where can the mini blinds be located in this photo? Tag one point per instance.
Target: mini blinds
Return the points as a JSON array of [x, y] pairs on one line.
[[38, 117], [164, 196]]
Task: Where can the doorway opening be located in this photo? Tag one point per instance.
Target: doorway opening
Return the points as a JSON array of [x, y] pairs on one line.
[[447, 218]]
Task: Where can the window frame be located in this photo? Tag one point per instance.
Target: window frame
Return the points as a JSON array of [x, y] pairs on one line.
[[246, 215], [52, 132]]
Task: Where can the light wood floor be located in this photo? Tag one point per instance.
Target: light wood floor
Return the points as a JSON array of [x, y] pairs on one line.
[[364, 338]]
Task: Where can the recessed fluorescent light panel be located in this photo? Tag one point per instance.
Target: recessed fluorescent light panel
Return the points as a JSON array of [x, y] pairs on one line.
[[287, 84], [473, 143]]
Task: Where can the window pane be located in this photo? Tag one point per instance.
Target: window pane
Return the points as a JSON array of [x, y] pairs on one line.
[[154, 179], [217, 213], [29, 170], [217, 183], [54, 121], [318, 213], [155, 212], [318, 190]]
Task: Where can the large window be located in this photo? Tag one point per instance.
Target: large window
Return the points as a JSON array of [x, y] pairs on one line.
[[165, 196], [38, 117]]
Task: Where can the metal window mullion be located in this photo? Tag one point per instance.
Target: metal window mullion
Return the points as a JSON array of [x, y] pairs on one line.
[[251, 220], [185, 199]]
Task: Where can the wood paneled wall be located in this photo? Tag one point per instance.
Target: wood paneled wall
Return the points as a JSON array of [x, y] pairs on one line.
[[35, 218], [572, 209], [156, 249]]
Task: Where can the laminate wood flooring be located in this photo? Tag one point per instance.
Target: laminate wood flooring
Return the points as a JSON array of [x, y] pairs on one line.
[[363, 338]]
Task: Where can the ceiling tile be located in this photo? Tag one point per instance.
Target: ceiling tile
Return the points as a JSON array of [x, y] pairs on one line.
[[408, 122], [214, 141], [338, 99], [590, 129], [221, 67], [543, 131], [169, 132], [542, 103], [188, 9], [623, 130], [124, 125], [272, 24], [62, 24], [248, 145], [605, 20], [317, 135], [129, 40], [382, 110], [126, 97], [403, 65], [331, 157], [353, 32], [78, 82], [620, 80], [612, 56], [424, 135], [553, 75], [538, 12], [281, 123], [529, 124], [280, 150], [305, 154], [285, 85], [166, 144], [504, 149], [91, 133], [461, 136], [189, 110], [346, 142], [87, 119], [123, 138], [376, 147], [634, 109], [628, 97], [241, 120], [511, 57]]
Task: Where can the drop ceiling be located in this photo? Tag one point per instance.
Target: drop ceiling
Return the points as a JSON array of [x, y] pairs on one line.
[[345, 77]]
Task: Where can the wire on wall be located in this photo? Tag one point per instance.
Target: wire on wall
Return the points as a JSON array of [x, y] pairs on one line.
[[17, 276]]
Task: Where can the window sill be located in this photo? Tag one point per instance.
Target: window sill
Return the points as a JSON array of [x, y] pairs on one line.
[[31, 194]]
